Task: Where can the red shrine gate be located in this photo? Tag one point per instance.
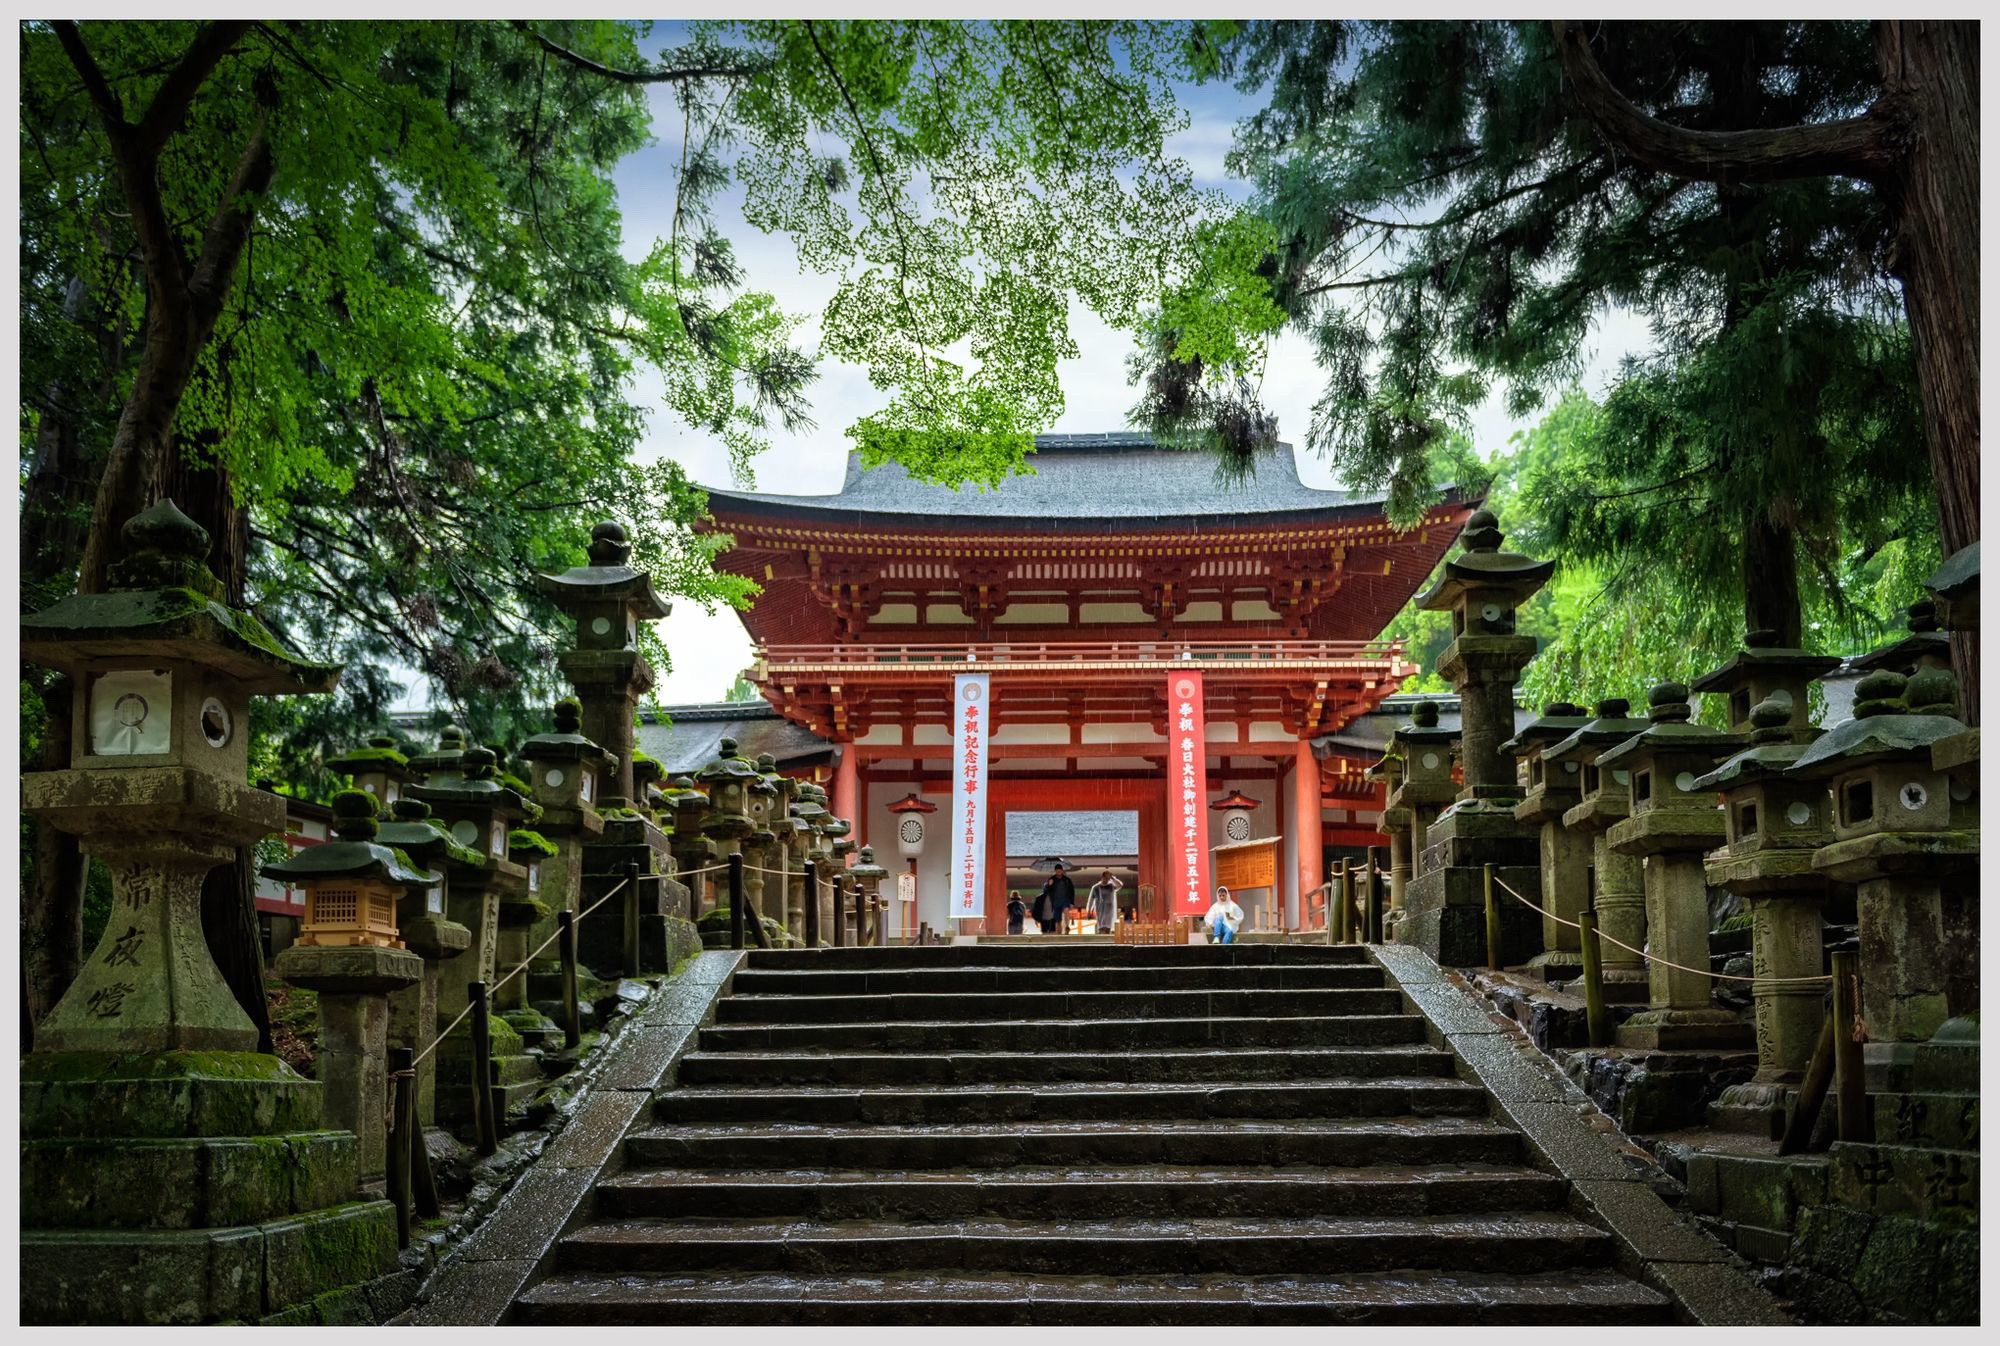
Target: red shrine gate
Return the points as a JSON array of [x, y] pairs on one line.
[[1080, 591]]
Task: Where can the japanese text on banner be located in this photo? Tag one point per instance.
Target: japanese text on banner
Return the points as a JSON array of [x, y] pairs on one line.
[[971, 711], [1187, 793]]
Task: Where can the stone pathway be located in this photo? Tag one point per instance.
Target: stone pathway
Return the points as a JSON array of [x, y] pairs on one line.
[[1068, 1134]]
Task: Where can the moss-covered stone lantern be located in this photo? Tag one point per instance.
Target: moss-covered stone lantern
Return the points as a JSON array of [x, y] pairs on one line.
[[760, 847], [442, 765], [427, 931], [813, 844], [350, 956], [563, 771], [1757, 673], [788, 855], [870, 875], [1674, 824], [1422, 788], [1925, 646], [379, 769], [726, 780], [1617, 887], [1907, 845], [1482, 588], [1553, 789], [647, 777], [687, 807], [608, 600], [1775, 822]]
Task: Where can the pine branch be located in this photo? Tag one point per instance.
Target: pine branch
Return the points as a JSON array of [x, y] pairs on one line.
[[673, 75], [1861, 147]]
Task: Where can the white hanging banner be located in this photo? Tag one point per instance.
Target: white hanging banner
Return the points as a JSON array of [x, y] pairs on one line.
[[972, 708]]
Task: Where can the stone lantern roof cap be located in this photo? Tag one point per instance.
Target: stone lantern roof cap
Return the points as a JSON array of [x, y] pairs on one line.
[[1895, 718], [566, 743], [164, 603], [836, 827], [1423, 727], [727, 766], [1763, 652], [868, 869], [1670, 730], [478, 789], [607, 577], [357, 854], [381, 754], [411, 828], [1958, 576], [1482, 565], [1611, 725], [1559, 720], [1772, 754], [445, 757], [1923, 639]]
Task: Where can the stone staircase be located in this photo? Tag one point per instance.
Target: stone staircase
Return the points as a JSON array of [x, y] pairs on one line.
[[1077, 1133]]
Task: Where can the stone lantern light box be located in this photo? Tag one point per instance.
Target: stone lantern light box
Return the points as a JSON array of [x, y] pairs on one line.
[[564, 767], [1879, 782], [1426, 748], [379, 769], [727, 780]]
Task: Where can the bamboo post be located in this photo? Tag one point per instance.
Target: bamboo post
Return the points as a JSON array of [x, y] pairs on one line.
[[1850, 1089], [486, 1125], [566, 946], [736, 899], [812, 904], [402, 1121], [1812, 1092], [1597, 1013], [1493, 963], [632, 918]]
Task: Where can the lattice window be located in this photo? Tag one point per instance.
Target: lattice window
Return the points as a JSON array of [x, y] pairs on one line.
[[336, 907]]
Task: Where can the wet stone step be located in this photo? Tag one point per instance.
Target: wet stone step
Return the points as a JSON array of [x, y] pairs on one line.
[[1092, 1006], [903, 980], [773, 1070], [1074, 1101], [1517, 1242], [1061, 955], [1347, 1143], [1101, 1192], [1060, 1035], [1395, 1298]]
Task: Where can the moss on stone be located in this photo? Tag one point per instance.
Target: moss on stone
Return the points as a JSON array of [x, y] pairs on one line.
[[523, 841]]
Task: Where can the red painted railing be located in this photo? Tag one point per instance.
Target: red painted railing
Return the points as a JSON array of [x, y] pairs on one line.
[[975, 653]]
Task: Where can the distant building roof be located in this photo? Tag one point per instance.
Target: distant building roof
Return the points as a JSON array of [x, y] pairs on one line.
[[1080, 483], [1368, 735], [1071, 835], [695, 735]]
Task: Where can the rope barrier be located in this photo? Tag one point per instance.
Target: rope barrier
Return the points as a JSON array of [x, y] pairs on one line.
[[1499, 882]]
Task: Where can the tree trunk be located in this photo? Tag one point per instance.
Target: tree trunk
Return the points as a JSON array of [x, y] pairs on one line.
[[1933, 66], [1771, 579], [52, 908]]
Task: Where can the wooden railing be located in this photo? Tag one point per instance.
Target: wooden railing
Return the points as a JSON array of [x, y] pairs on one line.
[[975, 653]]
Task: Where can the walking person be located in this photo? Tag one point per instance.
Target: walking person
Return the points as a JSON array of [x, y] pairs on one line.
[[1224, 918], [1104, 900], [1058, 895], [1017, 912]]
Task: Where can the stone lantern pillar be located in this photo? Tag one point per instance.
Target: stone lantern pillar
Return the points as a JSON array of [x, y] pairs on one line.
[[870, 875], [1617, 883], [145, 1077], [378, 770], [1673, 824], [1420, 788], [479, 813], [1775, 822], [1482, 588], [1900, 836], [354, 979], [1553, 789], [565, 772], [691, 850], [1955, 594], [427, 931]]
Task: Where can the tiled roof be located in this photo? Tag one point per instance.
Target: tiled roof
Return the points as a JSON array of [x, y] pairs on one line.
[[695, 735], [1079, 482]]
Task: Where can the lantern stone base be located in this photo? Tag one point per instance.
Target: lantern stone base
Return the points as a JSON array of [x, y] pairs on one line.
[[185, 1276], [1445, 907], [517, 1077], [185, 1187], [1684, 1030], [1756, 1107], [354, 983]]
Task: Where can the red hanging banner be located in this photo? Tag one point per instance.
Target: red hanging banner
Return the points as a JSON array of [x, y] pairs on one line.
[[1187, 793]]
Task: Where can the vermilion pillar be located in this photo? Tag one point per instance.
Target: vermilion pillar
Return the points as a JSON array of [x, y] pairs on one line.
[[847, 792], [1306, 824]]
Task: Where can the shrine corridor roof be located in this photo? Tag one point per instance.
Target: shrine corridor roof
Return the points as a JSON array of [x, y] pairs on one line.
[[1079, 483]]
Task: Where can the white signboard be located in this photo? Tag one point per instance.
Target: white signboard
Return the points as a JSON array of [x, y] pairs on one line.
[[906, 887], [971, 707]]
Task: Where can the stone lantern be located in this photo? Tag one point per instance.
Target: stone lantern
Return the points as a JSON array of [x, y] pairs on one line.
[[1235, 808], [345, 957], [1617, 887], [1482, 588], [814, 845], [1955, 590], [727, 782], [1423, 786], [869, 876], [692, 851], [1387, 771], [478, 812], [1901, 838], [1924, 647], [790, 834], [647, 775], [441, 765], [1761, 669], [145, 1075], [840, 845], [608, 600], [378, 770], [1774, 824], [1674, 824], [760, 847], [427, 931], [1553, 789]]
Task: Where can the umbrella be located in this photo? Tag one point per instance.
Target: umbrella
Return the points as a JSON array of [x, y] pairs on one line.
[[1048, 865]]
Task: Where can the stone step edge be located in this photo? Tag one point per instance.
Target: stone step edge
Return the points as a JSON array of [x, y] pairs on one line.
[[732, 1229]]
